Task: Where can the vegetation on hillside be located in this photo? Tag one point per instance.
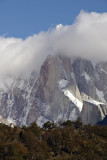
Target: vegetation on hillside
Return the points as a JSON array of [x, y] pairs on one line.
[[66, 141]]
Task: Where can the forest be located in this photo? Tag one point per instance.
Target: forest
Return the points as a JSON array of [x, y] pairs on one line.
[[64, 141]]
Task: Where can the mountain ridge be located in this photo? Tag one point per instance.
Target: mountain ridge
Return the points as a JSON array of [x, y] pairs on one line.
[[63, 90]]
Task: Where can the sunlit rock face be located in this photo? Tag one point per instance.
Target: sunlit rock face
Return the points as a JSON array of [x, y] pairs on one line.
[[56, 77], [64, 89]]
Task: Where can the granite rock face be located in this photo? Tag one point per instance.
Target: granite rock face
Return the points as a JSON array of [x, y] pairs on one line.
[[63, 90]]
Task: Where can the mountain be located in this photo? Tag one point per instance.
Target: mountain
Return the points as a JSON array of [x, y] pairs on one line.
[[65, 88], [103, 122]]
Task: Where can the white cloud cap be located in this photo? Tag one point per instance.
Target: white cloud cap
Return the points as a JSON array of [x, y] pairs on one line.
[[59, 26], [86, 38]]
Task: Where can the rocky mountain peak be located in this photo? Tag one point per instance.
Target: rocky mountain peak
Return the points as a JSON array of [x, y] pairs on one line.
[[63, 90]]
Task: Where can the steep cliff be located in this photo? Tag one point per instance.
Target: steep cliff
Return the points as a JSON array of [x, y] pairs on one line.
[[64, 89]]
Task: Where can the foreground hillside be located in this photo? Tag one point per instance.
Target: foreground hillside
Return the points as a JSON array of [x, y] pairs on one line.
[[67, 141]]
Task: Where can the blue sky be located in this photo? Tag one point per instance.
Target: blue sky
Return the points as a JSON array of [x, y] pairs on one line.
[[22, 18]]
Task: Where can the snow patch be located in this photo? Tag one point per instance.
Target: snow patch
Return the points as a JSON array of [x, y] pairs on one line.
[[100, 95], [93, 101], [41, 120], [11, 121], [94, 63], [73, 75], [103, 70], [71, 97], [63, 83], [87, 98], [47, 108], [59, 117], [73, 115], [86, 76]]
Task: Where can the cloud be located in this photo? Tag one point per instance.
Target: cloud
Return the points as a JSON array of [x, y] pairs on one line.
[[86, 38], [59, 26]]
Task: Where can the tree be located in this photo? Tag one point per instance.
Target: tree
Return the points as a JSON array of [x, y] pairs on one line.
[[49, 125]]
